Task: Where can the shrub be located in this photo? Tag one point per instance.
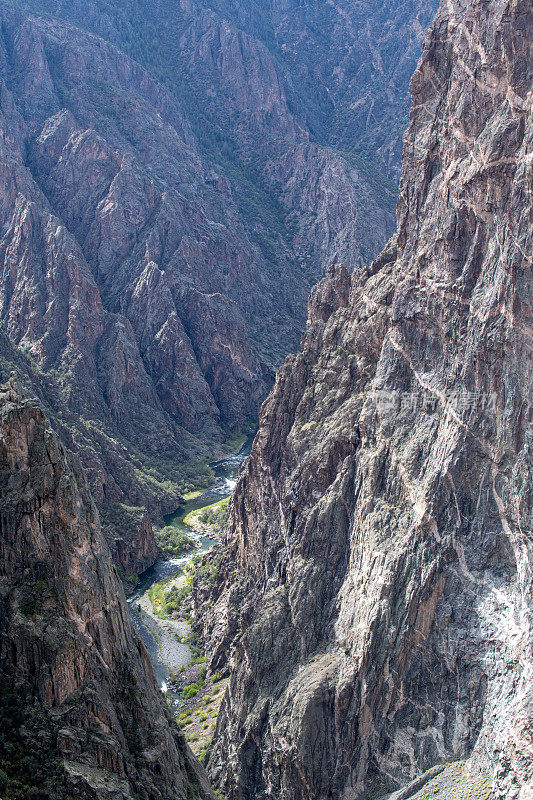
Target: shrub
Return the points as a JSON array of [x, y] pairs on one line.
[[191, 690], [178, 598], [28, 606], [173, 542], [215, 516], [207, 572], [121, 520]]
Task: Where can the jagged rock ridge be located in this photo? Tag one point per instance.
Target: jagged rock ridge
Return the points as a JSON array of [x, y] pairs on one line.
[[376, 589], [118, 263], [80, 711]]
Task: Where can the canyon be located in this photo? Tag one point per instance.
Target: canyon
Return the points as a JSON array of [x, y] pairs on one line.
[[176, 175], [80, 713]]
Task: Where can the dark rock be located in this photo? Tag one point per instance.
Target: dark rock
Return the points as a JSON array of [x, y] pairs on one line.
[[173, 178], [80, 711]]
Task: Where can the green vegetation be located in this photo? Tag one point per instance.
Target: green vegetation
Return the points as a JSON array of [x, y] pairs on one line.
[[132, 579], [187, 476], [157, 593], [36, 598], [197, 657], [234, 444], [173, 596], [207, 571], [198, 719], [192, 689], [173, 542], [214, 517], [178, 600], [192, 495], [28, 606]]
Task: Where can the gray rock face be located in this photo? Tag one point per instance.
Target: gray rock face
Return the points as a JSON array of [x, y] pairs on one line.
[[113, 202], [80, 713], [311, 99], [376, 590]]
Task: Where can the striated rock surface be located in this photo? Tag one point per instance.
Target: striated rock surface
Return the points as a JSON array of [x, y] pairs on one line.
[[124, 271], [297, 100], [375, 594], [80, 711]]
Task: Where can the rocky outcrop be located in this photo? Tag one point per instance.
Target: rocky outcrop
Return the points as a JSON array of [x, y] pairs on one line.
[[125, 205], [136, 552], [289, 92], [376, 590], [258, 87], [80, 713], [318, 122]]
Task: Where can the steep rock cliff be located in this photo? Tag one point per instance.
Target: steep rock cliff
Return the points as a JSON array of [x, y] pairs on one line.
[[375, 593], [270, 87], [80, 711]]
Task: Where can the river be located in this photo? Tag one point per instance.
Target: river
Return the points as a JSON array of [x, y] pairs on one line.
[[226, 471]]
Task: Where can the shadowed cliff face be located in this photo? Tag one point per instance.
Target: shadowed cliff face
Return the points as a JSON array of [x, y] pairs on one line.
[[125, 269], [376, 589], [80, 710]]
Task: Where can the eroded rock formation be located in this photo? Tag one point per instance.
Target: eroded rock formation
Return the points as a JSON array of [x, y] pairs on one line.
[[376, 589], [80, 710], [310, 98]]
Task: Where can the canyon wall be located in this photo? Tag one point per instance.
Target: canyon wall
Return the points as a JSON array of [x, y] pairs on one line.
[[374, 593], [80, 710], [119, 256], [305, 104]]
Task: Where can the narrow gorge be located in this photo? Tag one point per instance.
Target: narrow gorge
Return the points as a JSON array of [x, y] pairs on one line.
[[342, 610], [176, 176]]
